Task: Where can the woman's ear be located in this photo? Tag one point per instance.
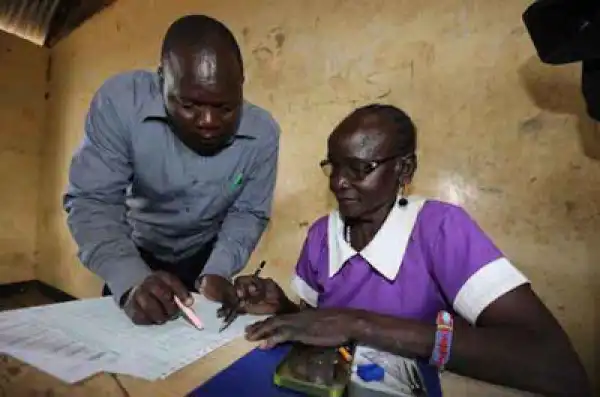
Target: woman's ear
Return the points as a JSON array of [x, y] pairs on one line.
[[407, 168], [161, 78]]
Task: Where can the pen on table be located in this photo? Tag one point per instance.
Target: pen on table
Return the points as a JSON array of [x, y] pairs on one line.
[[233, 313], [189, 313]]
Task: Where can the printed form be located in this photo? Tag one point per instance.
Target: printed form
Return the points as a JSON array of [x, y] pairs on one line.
[[77, 339]]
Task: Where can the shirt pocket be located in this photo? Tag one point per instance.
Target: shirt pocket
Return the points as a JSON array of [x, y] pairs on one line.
[[213, 198]]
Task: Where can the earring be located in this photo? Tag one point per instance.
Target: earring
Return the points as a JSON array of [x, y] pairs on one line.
[[403, 202]]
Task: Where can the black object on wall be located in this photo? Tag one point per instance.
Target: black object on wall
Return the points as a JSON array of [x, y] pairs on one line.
[[564, 31], [590, 82], [567, 31]]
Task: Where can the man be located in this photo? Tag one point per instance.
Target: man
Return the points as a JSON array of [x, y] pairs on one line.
[[172, 185]]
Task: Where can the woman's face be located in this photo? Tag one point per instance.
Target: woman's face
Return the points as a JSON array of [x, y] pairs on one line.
[[365, 166]]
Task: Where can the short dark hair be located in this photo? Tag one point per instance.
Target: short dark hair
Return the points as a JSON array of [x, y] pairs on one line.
[[197, 30], [406, 132]]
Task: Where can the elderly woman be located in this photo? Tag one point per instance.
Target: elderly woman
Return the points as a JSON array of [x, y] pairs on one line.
[[400, 274]]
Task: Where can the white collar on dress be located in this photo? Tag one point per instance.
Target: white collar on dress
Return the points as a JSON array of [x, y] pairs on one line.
[[386, 251]]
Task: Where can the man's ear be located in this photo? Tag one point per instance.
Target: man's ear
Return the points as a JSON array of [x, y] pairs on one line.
[[159, 70]]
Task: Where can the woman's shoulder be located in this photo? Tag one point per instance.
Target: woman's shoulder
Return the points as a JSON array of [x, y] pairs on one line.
[[318, 229], [440, 212], [440, 207]]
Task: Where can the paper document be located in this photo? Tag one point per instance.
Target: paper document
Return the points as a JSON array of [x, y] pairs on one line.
[[77, 339], [31, 342]]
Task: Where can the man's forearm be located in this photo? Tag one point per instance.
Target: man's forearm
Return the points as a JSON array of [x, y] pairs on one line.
[[247, 218], [236, 241], [105, 246]]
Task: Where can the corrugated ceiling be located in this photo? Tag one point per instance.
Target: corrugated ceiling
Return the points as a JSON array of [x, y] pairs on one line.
[[28, 19], [45, 22]]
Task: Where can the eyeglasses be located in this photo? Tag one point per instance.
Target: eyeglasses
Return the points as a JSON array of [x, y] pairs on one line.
[[356, 169]]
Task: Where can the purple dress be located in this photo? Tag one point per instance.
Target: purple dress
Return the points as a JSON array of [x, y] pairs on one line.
[[428, 256]]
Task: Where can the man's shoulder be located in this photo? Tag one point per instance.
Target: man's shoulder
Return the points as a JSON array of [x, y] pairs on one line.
[[130, 87], [259, 123]]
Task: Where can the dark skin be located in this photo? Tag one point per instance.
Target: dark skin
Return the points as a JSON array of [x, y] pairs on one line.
[[203, 94], [516, 342], [260, 296], [152, 302]]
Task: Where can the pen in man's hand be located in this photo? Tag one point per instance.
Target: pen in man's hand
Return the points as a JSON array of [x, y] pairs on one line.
[[233, 313], [189, 313]]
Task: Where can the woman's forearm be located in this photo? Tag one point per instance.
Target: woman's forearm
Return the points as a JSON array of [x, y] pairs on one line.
[[288, 307], [407, 338], [509, 356]]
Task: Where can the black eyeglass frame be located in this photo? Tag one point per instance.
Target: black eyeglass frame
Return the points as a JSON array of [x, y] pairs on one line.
[[372, 165]]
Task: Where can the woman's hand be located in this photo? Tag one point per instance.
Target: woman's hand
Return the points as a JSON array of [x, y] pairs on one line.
[[321, 327], [256, 295]]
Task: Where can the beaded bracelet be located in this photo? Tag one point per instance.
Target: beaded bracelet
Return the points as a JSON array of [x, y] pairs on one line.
[[443, 340]]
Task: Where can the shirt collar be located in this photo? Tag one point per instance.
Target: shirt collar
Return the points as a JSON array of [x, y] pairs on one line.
[[386, 251], [154, 108]]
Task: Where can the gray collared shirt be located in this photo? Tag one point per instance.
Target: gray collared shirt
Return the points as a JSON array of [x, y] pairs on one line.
[[132, 184]]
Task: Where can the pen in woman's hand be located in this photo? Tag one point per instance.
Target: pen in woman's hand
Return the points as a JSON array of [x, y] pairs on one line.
[[260, 267]]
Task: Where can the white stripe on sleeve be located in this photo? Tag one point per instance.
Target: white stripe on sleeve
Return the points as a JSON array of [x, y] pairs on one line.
[[305, 291], [485, 286]]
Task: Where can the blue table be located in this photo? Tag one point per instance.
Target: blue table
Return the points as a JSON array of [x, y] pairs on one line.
[[252, 376]]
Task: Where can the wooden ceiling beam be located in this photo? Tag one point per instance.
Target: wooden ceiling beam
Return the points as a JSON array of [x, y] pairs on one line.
[[69, 15]]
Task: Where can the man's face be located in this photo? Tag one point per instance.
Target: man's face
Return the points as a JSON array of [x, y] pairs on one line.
[[202, 90]]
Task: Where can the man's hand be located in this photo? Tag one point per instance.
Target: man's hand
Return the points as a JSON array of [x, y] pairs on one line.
[[217, 289], [153, 301]]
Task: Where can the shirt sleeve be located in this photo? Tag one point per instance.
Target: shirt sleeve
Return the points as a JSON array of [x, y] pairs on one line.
[[304, 280], [471, 271], [249, 215], [99, 174]]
